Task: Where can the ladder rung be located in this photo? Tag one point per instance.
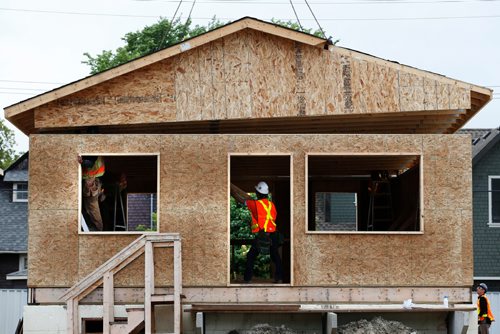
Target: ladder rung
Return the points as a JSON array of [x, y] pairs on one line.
[[162, 298]]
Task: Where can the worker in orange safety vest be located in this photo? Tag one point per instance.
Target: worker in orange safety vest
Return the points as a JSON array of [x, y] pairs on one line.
[[264, 227], [484, 314], [92, 168]]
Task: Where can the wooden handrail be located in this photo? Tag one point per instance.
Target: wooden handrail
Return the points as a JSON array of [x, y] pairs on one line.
[[115, 264]]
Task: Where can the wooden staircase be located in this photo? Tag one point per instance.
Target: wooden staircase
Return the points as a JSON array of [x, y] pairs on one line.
[[134, 323], [104, 275]]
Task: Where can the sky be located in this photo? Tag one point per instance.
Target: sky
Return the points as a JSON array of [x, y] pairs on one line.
[[42, 42]]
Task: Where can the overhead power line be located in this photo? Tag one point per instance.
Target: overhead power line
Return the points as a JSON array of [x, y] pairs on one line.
[[18, 88], [377, 2], [18, 93], [284, 19], [35, 82], [314, 16], [295, 12]]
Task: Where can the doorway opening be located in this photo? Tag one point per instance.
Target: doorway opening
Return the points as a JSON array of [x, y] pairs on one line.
[[246, 171]]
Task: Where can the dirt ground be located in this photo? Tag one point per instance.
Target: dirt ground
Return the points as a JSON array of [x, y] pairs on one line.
[[377, 325]]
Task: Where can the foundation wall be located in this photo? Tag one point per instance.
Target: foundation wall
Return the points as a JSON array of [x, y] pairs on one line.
[[251, 74], [192, 166]]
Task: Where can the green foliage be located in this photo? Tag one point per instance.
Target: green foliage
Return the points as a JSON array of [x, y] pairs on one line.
[[7, 143], [151, 38], [144, 228], [160, 35], [240, 229], [295, 26]]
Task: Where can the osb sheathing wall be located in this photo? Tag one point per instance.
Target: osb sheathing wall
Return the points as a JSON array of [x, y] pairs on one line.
[[193, 201], [253, 74]]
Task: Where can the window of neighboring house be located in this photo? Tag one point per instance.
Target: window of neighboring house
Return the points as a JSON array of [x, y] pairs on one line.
[[336, 211], [23, 261], [363, 193], [20, 192], [119, 193], [494, 200]]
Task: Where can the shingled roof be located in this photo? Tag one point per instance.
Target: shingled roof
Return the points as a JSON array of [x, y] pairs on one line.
[[482, 141], [13, 215]]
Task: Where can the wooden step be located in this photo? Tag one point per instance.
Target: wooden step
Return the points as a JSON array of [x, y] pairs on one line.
[[162, 298], [135, 318]]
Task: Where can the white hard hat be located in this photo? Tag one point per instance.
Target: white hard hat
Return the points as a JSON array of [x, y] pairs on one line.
[[262, 188]]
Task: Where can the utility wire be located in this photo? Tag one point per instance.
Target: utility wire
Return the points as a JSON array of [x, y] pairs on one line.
[[39, 82], [284, 19], [18, 93], [322, 31], [165, 30], [380, 2], [173, 17], [191, 11], [300, 25], [18, 88]]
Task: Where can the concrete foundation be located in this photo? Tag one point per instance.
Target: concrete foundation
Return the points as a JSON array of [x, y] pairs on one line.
[[52, 319]]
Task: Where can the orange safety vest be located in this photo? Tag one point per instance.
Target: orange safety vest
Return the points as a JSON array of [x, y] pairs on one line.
[[95, 171], [266, 216], [488, 314]]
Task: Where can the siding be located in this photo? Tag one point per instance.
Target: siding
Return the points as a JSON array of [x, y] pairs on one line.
[[486, 245], [11, 308]]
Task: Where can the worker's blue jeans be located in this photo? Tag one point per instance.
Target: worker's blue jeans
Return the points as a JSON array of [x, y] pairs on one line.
[[275, 257]]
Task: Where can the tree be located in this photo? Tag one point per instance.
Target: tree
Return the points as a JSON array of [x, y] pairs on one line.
[[160, 35], [7, 143], [295, 26], [150, 39], [241, 219]]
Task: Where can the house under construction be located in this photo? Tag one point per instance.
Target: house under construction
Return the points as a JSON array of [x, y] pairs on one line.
[[372, 186]]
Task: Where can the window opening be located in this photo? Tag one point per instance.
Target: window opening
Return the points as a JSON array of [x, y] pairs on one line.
[[247, 234], [119, 193], [363, 193], [23, 261], [494, 200], [20, 192]]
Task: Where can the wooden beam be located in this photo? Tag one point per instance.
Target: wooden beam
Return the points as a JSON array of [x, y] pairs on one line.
[[273, 294], [148, 286], [177, 286], [244, 308], [72, 316], [108, 302]]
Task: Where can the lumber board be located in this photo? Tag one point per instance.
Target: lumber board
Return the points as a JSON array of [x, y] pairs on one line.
[[283, 294]]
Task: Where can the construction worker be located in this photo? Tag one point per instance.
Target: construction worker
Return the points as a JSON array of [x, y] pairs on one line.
[[264, 227], [485, 317], [92, 192]]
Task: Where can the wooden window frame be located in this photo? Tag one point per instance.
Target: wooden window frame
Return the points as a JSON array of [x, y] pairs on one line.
[[421, 186], [158, 191], [15, 192], [491, 223]]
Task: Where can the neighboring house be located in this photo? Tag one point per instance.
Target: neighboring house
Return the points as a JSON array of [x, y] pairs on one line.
[[486, 209], [13, 243], [325, 126]]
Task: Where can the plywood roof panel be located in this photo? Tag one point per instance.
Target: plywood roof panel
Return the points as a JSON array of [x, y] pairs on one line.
[[249, 71]]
